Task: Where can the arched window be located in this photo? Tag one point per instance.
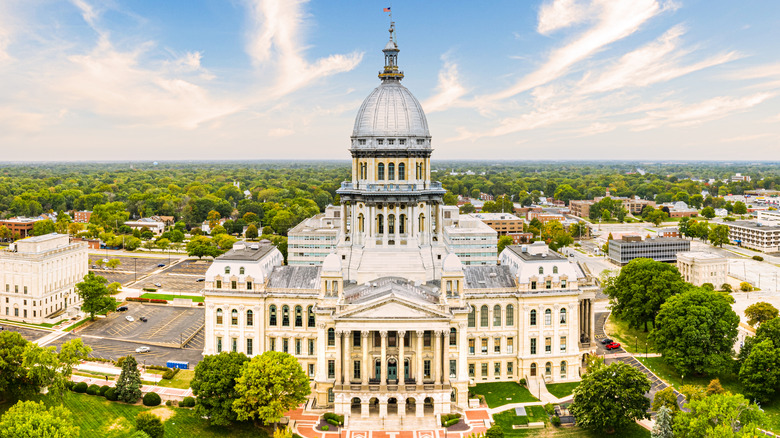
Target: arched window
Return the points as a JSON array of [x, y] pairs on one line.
[[380, 224], [380, 171], [422, 222], [227, 269], [548, 317], [555, 269], [331, 337], [250, 318], [541, 270], [219, 316], [310, 314], [453, 337], [483, 316], [391, 224], [496, 316], [360, 222], [272, 315], [401, 171], [533, 369], [241, 270], [563, 369], [298, 316], [548, 369], [533, 317], [234, 317], [285, 316], [473, 317], [391, 171], [510, 315], [563, 316]]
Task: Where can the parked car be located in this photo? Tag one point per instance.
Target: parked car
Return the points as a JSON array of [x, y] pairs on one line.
[[143, 318], [121, 308], [613, 346], [606, 341], [161, 265], [129, 318], [158, 284], [200, 280], [94, 266], [142, 349]]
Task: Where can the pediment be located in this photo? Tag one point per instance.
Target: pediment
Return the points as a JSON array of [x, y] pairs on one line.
[[392, 308]]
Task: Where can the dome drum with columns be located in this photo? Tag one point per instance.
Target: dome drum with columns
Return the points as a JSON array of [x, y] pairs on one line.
[[393, 303]]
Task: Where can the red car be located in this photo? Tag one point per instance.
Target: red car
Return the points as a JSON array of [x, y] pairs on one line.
[[613, 346]]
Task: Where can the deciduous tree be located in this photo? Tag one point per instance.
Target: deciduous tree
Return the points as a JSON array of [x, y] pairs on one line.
[[214, 386], [29, 419], [719, 234], [666, 398], [720, 415], [503, 242], [95, 295], [760, 312], [150, 424], [760, 372]]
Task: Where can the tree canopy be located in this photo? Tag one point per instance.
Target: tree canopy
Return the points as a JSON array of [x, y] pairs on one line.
[[30, 419], [214, 386], [95, 295]]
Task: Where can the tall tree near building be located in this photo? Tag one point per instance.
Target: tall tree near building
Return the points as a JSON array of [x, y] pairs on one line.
[[95, 295], [760, 312], [214, 386], [760, 372], [708, 212], [503, 242], [30, 419], [610, 397], [740, 208], [43, 227], [251, 231], [640, 289], [719, 234], [663, 424], [128, 385], [708, 348], [13, 381], [270, 385]]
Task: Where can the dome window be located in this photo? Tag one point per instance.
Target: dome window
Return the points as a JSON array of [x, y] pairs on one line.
[[420, 141], [380, 141], [391, 141], [362, 142], [401, 141]]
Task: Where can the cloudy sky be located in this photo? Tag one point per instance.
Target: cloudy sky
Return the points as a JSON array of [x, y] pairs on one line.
[[274, 79]]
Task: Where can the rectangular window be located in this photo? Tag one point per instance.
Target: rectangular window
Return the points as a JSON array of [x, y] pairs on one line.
[[563, 344], [510, 368], [331, 369], [484, 370], [496, 345], [25, 290], [563, 283], [510, 345], [427, 369], [297, 347], [548, 285], [471, 370], [356, 338], [471, 346], [285, 345], [311, 347], [453, 368], [497, 369], [356, 369], [248, 285], [233, 284], [548, 345], [273, 344], [533, 285], [311, 370], [16, 288], [234, 345], [533, 345], [484, 346], [219, 344], [427, 338], [331, 337], [249, 347], [219, 284]]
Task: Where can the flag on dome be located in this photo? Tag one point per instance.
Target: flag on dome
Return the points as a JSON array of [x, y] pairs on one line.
[[387, 9]]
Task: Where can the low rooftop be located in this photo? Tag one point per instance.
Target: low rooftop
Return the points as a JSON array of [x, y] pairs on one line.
[[247, 251]]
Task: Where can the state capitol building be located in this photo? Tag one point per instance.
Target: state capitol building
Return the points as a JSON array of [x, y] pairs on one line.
[[407, 306]]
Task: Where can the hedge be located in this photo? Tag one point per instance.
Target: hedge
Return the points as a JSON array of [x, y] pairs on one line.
[[448, 420], [187, 402], [80, 387], [147, 300], [338, 420], [152, 399], [170, 373], [103, 389], [451, 422], [93, 389], [325, 427], [111, 394]]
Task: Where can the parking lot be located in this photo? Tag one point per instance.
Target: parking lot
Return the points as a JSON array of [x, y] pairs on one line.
[[114, 349], [180, 277], [30, 334], [166, 325], [130, 267]]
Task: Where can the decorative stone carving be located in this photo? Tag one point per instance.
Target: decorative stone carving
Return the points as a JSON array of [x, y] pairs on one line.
[[462, 325], [420, 333], [321, 325], [211, 306], [365, 333], [383, 333]]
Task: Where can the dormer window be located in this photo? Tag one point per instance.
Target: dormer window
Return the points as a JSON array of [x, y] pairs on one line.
[[241, 270], [555, 269], [362, 142], [541, 270], [227, 269]]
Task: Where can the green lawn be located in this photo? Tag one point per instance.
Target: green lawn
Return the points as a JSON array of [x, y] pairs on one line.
[[503, 393], [619, 331], [633, 431], [508, 418], [561, 390], [156, 296], [98, 417], [26, 324], [76, 325], [181, 380]]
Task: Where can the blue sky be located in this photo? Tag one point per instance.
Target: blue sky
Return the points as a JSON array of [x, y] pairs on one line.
[[275, 79]]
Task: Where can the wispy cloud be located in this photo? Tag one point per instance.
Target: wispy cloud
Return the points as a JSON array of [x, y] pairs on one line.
[[448, 90], [708, 110], [275, 39]]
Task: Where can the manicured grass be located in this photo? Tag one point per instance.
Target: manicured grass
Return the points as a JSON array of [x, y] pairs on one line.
[[43, 324], [156, 296], [26, 324], [561, 390], [632, 431], [657, 365], [503, 393], [97, 416], [619, 331], [181, 380], [508, 418], [76, 325]]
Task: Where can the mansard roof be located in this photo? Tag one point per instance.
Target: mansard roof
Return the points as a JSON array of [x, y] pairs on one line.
[[488, 277], [295, 277]]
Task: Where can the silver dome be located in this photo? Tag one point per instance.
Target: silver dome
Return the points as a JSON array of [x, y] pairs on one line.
[[391, 111]]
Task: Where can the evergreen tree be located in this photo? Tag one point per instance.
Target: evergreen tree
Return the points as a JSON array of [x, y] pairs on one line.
[[128, 386], [663, 424]]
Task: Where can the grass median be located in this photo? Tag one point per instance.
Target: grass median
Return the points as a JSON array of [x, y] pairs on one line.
[[503, 393]]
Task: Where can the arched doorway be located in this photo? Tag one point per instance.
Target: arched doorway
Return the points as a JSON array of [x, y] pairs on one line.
[[373, 406], [411, 406], [428, 406], [392, 370], [548, 369], [355, 406], [533, 370], [392, 406]]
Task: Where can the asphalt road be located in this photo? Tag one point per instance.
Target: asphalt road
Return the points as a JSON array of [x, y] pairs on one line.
[[27, 333]]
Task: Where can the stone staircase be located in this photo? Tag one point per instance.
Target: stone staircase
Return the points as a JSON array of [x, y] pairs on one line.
[[392, 422]]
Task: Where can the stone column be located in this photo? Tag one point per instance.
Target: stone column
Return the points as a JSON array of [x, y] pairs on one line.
[[591, 321], [463, 368], [396, 234], [339, 357], [322, 363], [437, 357], [419, 354], [347, 368], [400, 366], [364, 368], [383, 358], [401, 407], [363, 409], [279, 344], [386, 225], [383, 407], [419, 404], [343, 219], [503, 351]]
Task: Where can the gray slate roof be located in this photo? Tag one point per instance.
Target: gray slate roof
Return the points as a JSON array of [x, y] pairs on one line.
[[295, 277], [488, 276]]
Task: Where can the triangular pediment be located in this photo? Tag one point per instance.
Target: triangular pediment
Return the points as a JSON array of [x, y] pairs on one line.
[[394, 308]]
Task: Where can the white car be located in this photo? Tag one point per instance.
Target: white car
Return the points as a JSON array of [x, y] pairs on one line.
[[142, 350], [129, 318]]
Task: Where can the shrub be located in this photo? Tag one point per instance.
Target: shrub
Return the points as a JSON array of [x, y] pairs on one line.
[[745, 287], [170, 373], [93, 389], [338, 420], [495, 431], [150, 289], [758, 258], [200, 304], [69, 385], [725, 287], [188, 402], [451, 422], [155, 300], [449, 419], [325, 427], [168, 403], [150, 424], [120, 361], [80, 387], [111, 394], [555, 420], [152, 399], [332, 421], [549, 408], [522, 382], [103, 389]]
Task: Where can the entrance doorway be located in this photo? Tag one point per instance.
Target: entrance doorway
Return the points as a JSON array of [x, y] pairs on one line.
[[378, 369], [406, 369], [392, 370]]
